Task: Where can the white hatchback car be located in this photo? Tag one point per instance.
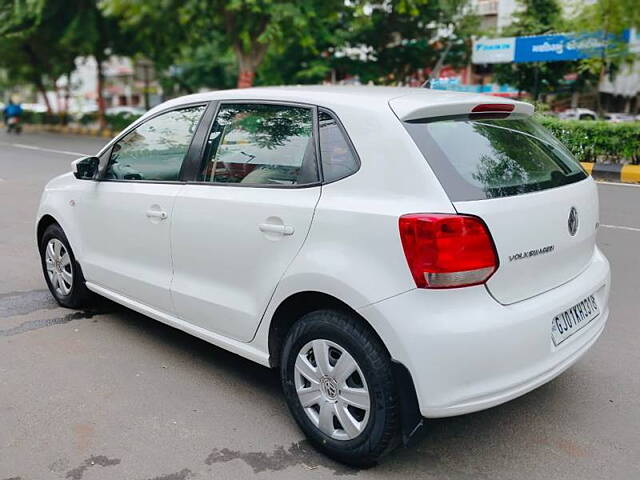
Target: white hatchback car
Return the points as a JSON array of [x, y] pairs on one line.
[[396, 253]]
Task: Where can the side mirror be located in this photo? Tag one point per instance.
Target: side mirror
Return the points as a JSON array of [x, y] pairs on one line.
[[85, 168]]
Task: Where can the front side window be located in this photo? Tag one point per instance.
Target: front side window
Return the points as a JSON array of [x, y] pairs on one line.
[[155, 150], [261, 144], [476, 159], [338, 159]]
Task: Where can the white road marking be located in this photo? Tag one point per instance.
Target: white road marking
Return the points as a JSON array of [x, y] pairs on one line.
[[42, 149], [620, 227]]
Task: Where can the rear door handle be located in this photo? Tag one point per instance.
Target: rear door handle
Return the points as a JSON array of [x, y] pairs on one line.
[[161, 214], [275, 228]]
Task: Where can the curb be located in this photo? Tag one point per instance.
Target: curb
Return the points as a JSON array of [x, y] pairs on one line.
[[612, 172], [66, 129]]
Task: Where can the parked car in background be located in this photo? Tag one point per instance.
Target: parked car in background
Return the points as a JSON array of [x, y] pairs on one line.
[[619, 117], [578, 114], [394, 253]]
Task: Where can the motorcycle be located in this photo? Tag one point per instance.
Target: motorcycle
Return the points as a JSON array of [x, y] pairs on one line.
[[13, 125]]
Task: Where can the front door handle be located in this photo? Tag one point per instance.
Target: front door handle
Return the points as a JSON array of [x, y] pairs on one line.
[[275, 228], [161, 214]]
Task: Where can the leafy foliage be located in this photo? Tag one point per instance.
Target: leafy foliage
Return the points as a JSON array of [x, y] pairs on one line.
[[42, 39], [399, 37], [535, 17], [589, 141], [250, 27]]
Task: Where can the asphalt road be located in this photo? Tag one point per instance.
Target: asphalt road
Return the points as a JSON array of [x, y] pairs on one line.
[[112, 394]]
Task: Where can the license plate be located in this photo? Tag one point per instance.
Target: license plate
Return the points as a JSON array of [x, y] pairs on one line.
[[570, 321]]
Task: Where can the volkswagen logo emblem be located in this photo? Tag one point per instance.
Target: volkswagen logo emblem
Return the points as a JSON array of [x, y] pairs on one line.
[[329, 387], [572, 223]]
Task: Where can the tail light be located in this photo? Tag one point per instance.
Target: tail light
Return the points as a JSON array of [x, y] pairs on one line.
[[447, 251], [491, 110]]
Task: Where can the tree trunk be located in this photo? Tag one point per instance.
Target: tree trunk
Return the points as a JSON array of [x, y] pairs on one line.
[[245, 78], [248, 62], [601, 78], [100, 93], [536, 82], [37, 80], [246, 69], [435, 73], [145, 70], [603, 66], [37, 76], [67, 93]]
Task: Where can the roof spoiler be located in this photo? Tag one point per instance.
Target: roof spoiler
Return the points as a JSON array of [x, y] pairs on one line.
[[417, 106]]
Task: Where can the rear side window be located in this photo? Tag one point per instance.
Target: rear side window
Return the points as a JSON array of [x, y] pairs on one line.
[[261, 144], [476, 159], [156, 149], [338, 159]]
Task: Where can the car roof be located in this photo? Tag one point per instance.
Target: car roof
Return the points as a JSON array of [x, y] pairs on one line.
[[337, 97]]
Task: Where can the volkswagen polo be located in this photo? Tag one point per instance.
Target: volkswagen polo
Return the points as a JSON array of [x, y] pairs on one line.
[[397, 254]]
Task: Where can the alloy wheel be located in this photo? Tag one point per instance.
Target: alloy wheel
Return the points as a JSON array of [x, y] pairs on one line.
[[59, 268]]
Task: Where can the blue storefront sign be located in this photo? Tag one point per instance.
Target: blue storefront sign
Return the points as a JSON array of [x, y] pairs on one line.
[[550, 48], [553, 48]]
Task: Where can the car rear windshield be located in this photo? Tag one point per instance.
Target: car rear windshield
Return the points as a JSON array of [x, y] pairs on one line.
[[479, 158]]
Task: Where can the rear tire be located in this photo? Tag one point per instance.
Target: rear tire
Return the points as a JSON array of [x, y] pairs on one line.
[[61, 270], [337, 380]]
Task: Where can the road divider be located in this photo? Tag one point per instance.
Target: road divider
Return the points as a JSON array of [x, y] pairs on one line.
[[612, 172]]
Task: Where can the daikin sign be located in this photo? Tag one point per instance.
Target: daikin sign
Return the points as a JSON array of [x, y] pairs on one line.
[[494, 50]]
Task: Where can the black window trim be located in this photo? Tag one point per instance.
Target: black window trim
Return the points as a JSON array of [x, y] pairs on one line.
[[346, 136], [191, 150], [228, 101]]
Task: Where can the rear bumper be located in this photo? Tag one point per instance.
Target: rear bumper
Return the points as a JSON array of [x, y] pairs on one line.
[[466, 352]]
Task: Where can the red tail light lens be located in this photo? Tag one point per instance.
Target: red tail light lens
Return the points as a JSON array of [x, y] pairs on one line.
[[493, 107], [447, 251], [491, 110]]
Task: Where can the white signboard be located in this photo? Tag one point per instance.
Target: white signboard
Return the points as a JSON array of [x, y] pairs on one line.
[[494, 50]]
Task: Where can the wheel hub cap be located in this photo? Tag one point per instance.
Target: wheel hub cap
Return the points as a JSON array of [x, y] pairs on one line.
[[58, 266], [332, 389]]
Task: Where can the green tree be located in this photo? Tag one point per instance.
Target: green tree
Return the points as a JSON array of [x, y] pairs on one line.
[[250, 27], [535, 17], [95, 34], [31, 50], [393, 39], [208, 65], [610, 18], [383, 42], [52, 33]]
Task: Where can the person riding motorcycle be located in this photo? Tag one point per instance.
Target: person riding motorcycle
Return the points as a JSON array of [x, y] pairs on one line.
[[12, 114]]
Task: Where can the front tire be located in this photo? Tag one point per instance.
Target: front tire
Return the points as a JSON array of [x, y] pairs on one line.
[[338, 384], [61, 271]]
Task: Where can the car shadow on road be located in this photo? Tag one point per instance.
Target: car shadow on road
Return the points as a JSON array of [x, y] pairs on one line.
[[470, 446], [218, 359]]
